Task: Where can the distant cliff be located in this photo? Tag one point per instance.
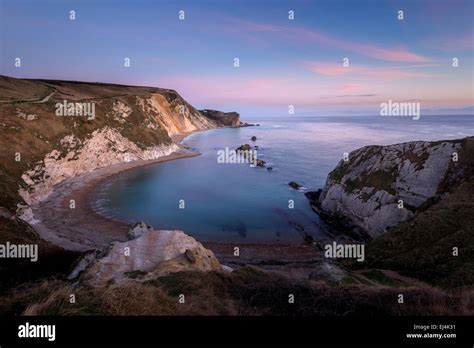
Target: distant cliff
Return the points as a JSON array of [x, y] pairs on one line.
[[228, 119], [381, 186]]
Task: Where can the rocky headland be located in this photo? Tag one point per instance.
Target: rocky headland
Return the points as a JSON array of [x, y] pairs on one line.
[[412, 202], [381, 186]]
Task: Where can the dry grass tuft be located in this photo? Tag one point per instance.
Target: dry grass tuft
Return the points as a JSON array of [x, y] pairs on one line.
[[247, 291]]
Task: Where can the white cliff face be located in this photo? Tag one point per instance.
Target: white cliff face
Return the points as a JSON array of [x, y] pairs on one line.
[[120, 111], [152, 254], [369, 189], [176, 117], [105, 147], [28, 117]]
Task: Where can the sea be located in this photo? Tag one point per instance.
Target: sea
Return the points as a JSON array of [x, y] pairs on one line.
[[238, 203]]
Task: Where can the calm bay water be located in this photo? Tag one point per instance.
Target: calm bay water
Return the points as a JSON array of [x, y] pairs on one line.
[[234, 202]]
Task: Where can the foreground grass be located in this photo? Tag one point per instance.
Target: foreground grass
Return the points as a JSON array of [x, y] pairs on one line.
[[247, 291]]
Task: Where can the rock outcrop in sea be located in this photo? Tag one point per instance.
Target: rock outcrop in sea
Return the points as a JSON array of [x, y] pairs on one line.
[[295, 185], [382, 186], [246, 151]]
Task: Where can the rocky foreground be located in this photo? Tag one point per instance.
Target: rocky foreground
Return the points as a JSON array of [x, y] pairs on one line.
[[148, 255]]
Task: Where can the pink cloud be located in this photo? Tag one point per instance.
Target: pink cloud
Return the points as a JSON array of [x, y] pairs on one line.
[[352, 87], [365, 72], [237, 91], [242, 89], [259, 84], [395, 54], [329, 69]]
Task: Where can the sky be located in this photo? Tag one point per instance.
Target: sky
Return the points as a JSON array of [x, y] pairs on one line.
[[282, 61]]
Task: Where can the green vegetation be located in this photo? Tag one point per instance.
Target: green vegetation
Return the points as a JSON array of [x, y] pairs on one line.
[[135, 274], [379, 277], [338, 173], [381, 180], [419, 161]]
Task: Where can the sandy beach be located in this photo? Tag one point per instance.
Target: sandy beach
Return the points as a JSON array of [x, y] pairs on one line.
[[82, 229]]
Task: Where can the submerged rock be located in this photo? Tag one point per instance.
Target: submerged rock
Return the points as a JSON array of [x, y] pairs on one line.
[[295, 185], [254, 138]]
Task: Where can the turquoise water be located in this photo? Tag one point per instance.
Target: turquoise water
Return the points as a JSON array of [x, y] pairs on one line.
[[234, 202]]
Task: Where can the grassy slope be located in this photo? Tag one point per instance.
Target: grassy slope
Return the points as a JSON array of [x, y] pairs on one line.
[[247, 291], [52, 260]]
